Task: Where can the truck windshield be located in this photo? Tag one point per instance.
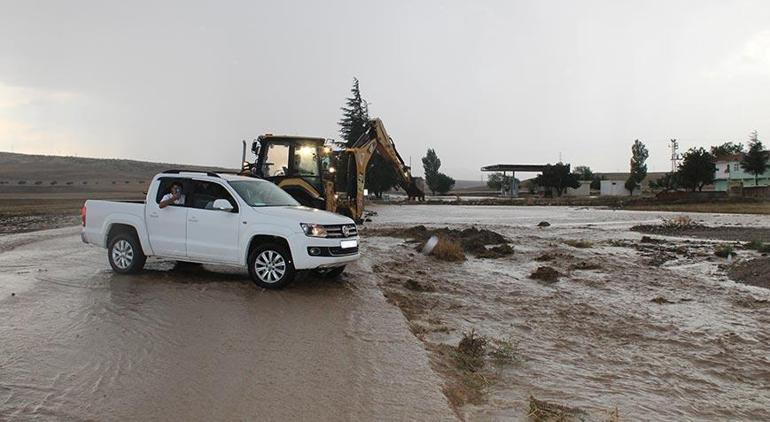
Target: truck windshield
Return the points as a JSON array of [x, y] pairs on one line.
[[262, 194]]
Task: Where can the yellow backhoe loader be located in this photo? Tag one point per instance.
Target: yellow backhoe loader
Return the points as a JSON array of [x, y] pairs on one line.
[[306, 168]]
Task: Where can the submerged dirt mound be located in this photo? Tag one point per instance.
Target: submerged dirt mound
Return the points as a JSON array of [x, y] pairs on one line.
[[419, 286], [472, 240], [585, 265], [545, 274], [755, 272], [496, 251]]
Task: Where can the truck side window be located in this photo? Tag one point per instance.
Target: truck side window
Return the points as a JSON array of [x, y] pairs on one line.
[[165, 187], [205, 193]]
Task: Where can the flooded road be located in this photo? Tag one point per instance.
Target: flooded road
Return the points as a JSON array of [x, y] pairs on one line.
[[198, 343], [655, 330]]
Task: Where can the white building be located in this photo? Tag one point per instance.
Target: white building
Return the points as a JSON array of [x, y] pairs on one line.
[[583, 190], [617, 188]]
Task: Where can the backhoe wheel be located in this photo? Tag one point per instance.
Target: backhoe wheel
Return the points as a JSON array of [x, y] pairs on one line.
[[270, 266], [125, 254], [329, 272]]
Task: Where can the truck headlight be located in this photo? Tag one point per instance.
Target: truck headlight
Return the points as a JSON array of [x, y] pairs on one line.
[[313, 230]]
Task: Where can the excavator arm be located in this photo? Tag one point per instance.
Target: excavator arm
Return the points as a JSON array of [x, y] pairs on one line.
[[376, 139]]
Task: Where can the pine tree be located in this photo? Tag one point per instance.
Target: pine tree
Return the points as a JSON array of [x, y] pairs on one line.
[[355, 116], [355, 122], [755, 161]]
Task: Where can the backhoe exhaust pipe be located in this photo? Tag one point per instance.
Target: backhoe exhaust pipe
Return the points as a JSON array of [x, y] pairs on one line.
[[243, 156]]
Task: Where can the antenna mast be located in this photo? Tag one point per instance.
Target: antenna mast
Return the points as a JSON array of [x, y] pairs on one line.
[[675, 157]]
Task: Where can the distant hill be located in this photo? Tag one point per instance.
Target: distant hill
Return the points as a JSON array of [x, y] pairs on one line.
[[26, 172]]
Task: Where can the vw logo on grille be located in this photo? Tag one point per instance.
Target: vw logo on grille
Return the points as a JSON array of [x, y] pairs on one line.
[[346, 230]]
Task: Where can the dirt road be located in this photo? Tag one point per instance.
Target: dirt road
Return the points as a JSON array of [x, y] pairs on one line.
[[81, 343]]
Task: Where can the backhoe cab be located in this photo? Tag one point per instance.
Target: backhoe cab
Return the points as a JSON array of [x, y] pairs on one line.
[[296, 164], [306, 168]]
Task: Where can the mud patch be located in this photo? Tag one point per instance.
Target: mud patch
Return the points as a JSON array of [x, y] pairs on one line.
[[585, 265], [419, 286], [755, 272], [28, 223], [472, 240], [743, 234], [496, 252], [547, 274]]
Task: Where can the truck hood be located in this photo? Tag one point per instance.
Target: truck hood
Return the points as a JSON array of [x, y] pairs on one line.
[[304, 215]]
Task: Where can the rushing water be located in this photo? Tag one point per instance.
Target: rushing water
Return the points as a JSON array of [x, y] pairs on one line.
[[595, 339]]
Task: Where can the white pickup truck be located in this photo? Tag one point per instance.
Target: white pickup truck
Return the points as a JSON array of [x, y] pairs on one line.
[[222, 219]]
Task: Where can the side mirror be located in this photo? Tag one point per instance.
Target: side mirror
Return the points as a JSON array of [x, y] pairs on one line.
[[223, 205]]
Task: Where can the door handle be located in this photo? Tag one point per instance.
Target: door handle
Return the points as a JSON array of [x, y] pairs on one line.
[[154, 215], [193, 220]]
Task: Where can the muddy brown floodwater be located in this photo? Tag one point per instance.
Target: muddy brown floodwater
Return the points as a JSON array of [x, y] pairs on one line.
[[651, 330], [78, 342]]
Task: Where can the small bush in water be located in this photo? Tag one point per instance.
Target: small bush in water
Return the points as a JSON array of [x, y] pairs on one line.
[[448, 250], [724, 251], [471, 350]]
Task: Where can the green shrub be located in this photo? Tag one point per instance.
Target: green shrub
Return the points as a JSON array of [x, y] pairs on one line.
[[724, 251]]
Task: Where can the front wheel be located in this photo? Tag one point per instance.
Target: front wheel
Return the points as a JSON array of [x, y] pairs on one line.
[[329, 272], [270, 266], [125, 254]]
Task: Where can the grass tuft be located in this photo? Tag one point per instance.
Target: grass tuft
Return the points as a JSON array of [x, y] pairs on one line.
[[448, 250], [724, 251], [471, 350]]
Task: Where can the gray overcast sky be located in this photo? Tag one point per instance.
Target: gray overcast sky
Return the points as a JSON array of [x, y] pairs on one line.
[[482, 82]]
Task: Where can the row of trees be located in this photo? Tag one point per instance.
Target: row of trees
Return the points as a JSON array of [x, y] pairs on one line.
[[698, 167]]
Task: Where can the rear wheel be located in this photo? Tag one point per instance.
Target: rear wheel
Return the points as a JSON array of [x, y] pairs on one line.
[[125, 254], [329, 272], [270, 266]]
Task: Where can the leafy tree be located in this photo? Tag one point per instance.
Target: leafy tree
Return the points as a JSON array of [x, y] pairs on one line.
[[436, 181], [583, 173], [669, 181], [639, 156], [726, 149], [697, 169], [355, 122], [430, 164], [596, 181], [497, 181], [380, 176], [444, 183], [557, 177], [755, 161]]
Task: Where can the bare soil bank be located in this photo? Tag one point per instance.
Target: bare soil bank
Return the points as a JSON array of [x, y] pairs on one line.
[[729, 233], [755, 272], [727, 205], [24, 212]]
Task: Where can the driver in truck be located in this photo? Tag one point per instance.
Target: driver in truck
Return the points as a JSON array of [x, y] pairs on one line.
[[174, 197]]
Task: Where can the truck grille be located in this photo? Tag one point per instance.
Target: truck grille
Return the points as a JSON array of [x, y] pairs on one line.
[[341, 230]]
